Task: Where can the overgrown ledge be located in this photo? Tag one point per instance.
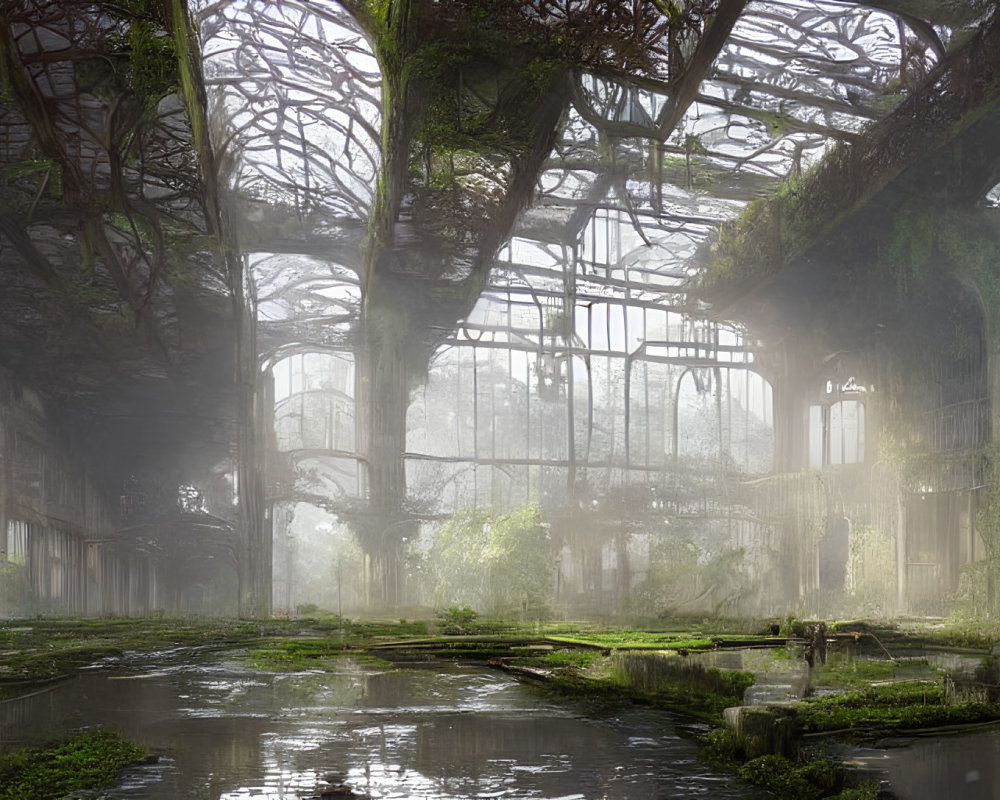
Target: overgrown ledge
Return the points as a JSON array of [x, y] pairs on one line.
[[952, 119]]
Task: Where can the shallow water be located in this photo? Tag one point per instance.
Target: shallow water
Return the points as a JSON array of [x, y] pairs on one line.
[[224, 733], [957, 767]]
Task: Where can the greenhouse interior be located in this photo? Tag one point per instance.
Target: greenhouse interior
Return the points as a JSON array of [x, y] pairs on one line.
[[485, 316]]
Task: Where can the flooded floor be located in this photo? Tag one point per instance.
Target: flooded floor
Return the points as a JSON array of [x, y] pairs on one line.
[[960, 766], [223, 732]]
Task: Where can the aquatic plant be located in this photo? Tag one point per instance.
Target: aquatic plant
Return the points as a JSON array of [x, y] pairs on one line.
[[814, 779], [296, 654], [88, 760]]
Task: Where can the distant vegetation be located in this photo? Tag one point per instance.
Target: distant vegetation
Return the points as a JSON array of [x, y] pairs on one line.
[[500, 564]]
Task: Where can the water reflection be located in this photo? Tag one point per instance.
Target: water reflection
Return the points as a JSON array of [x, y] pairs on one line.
[[461, 732], [965, 767]]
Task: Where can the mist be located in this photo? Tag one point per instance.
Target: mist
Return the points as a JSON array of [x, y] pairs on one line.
[[647, 346]]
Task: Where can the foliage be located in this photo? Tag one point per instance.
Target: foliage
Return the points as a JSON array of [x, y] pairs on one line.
[[24, 181], [789, 780], [639, 640], [792, 627], [498, 563], [859, 673], [814, 776], [898, 706], [16, 594], [296, 654], [969, 243], [147, 66], [718, 747], [871, 571], [867, 790], [748, 250], [679, 576], [911, 247], [86, 761], [82, 291], [976, 596], [578, 659], [152, 64], [671, 579], [455, 620]]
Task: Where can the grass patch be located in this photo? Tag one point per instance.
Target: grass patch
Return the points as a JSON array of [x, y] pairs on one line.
[[290, 655], [577, 659], [898, 706], [88, 760], [638, 640], [860, 673]]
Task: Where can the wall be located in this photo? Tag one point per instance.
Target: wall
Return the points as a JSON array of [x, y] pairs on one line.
[[59, 552]]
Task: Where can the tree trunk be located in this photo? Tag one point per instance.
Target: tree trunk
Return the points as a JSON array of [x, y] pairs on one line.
[[254, 524]]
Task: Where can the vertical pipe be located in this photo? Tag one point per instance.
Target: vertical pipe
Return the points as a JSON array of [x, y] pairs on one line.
[[645, 387]]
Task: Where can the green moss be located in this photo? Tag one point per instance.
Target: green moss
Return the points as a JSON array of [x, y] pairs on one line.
[[813, 775], [811, 780], [28, 167], [749, 249], [867, 790], [89, 760], [369, 631], [153, 70], [899, 706], [189, 73], [577, 659], [296, 654], [911, 247], [700, 705], [718, 747], [35, 652], [627, 639]]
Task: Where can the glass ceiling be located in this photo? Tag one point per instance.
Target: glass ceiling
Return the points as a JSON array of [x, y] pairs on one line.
[[587, 357]]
